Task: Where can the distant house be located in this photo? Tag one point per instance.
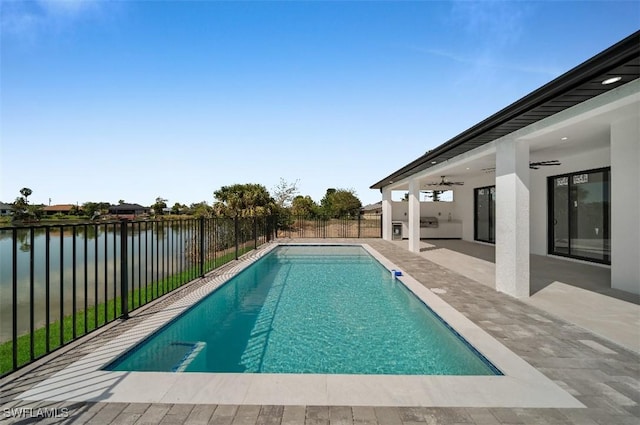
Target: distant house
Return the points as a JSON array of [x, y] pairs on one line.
[[372, 209], [64, 209], [128, 210], [5, 209]]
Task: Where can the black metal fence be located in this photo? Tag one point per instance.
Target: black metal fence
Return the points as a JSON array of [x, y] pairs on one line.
[[362, 226], [59, 282]]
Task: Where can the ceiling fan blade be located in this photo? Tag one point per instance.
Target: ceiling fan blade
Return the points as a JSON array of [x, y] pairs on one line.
[[544, 163]]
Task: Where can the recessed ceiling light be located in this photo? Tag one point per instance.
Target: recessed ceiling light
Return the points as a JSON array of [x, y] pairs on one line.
[[611, 80], [563, 138], [468, 168], [390, 181], [433, 162]]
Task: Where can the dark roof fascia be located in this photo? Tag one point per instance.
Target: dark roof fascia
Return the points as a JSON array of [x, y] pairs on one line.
[[617, 54]]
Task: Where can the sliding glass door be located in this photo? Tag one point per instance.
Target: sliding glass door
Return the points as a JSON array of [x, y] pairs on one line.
[[484, 214], [579, 211]]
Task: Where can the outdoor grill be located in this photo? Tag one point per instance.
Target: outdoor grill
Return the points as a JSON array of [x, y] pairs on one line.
[[429, 222]]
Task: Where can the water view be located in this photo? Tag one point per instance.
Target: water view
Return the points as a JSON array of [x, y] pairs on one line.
[[83, 262]]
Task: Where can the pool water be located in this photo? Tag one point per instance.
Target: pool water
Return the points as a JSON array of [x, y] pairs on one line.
[[309, 309]]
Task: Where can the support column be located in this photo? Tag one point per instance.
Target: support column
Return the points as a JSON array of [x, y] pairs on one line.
[[387, 214], [512, 218], [625, 205], [414, 215]]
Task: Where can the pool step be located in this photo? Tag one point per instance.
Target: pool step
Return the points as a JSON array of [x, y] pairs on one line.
[[192, 351]]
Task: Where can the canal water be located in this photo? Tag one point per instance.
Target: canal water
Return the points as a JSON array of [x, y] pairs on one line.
[[156, 250]]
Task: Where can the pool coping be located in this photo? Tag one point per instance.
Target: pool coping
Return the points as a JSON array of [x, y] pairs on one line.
[[520, 386]]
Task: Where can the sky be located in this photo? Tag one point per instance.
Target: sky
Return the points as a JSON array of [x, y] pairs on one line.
[[134, 100]]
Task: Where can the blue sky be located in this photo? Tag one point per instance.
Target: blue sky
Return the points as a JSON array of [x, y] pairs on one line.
[[102, 101]]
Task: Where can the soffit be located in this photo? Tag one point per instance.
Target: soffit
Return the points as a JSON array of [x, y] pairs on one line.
[[572, 88]]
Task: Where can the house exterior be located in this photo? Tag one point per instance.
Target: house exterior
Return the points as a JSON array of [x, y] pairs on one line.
[[556, 173], [5, 209], [372, 209], [64, 209], [128, 210]]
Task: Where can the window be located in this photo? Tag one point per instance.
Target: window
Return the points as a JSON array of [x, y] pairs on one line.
[[579, 215], [436, 195], [484, 220]]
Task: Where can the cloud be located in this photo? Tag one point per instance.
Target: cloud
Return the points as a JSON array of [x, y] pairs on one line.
[[487, 61], [28, 19], [68, 8], [485, 35], [497, 23]]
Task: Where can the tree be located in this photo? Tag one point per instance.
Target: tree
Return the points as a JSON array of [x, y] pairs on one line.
[[284, 193], [121, 201], [200, 209], [340, 202], [434, 195], [177, 208], [159, 206], [20, 208], [26, 192], [304, 206], [94, 209], [243, 200]]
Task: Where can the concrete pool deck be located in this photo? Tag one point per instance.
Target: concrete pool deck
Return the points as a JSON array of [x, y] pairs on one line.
[[566, 289], [599, 374]]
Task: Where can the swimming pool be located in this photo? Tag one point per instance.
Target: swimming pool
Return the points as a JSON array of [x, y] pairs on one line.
[[310, 310]]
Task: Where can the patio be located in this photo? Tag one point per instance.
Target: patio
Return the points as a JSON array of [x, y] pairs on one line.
[[566, 289], [602, 375]]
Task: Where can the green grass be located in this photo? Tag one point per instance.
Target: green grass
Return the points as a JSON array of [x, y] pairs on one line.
[[136, 298]]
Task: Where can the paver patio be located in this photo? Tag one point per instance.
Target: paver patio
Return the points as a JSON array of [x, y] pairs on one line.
[[603, 376]]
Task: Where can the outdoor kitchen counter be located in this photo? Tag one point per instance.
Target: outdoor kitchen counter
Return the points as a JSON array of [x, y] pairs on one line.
[[445, 230]]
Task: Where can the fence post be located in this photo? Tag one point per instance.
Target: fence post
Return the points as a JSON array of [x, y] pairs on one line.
[[255, 232], [235, 232], [14, 298], [124, 275], [202, 246], [359, 223], [274, 223], [269, 228]]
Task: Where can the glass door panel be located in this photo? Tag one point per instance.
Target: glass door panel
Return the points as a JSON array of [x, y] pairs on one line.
[[492, 218], [588, 202], [560, 212], [579, 215], [485, 200]]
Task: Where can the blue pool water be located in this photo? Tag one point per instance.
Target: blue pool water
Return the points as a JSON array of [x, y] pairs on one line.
[[309, 309]]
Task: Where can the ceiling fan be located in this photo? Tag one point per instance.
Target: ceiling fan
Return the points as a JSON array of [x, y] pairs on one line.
[[445, 182], [536, 165], [532, 165]]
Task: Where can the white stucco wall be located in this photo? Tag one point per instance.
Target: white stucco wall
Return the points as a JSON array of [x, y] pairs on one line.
[[625, 201], [427, 209], [538, 188], [464, 201], [463, 205]]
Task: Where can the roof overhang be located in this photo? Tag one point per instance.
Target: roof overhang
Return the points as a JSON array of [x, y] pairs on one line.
[[578, 85]]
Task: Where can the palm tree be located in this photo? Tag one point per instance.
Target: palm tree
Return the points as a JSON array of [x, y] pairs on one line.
[[243, 200], [26, 192]]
